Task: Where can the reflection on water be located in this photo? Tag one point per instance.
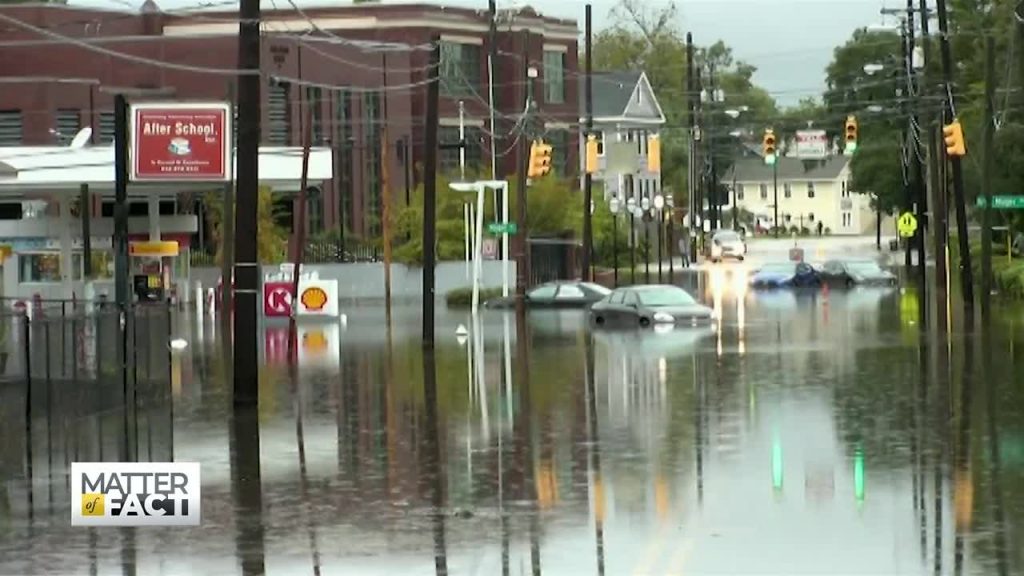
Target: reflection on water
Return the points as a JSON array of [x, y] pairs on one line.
[[803, 432]]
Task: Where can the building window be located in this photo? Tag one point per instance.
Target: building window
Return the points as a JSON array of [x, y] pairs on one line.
[[847, 219], [787, 190], [10, 128], [559, 140], [810, 217], [68, 123], [106, 128], [599, 135], [460, 68], [315, 202], [554, 77], [448, 158], [314, 98], [45, 266], [279, 117], [739, 192], [810, 189], [764, 191], [372, 122]]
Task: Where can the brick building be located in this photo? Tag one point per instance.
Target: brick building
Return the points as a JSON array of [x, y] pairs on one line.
[[363, 67]]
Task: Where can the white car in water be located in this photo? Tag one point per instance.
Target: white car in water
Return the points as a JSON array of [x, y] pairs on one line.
[[726, 244]]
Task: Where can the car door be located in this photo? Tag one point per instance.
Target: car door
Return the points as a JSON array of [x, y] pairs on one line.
[[832, 272], [611, 310], [630, 308]]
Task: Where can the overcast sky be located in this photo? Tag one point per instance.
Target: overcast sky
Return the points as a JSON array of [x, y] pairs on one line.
[[789, 41]]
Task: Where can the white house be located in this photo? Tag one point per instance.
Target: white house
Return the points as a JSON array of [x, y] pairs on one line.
[[809, 193], [626, 113]]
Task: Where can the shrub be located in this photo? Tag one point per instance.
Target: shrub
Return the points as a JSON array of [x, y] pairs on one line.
[[463, 297]]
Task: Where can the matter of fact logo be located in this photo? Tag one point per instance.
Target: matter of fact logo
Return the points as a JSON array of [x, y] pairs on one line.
[[314, 298], [135, 494]]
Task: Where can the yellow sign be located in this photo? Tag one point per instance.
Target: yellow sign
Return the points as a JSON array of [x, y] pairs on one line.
[[906, 225], [314, 298], [154, 281], [154, 249], [5, 251], [93, 504]]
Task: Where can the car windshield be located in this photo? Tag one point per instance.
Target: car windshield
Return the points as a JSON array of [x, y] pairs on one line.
[[596, 288], [864, 267], [727, 237], [780, 268], [668, 296]]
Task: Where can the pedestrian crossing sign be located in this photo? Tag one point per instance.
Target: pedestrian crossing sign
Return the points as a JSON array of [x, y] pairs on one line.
[[906, 225]]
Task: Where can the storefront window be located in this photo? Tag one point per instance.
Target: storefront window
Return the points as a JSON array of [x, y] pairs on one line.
[[45, 266]]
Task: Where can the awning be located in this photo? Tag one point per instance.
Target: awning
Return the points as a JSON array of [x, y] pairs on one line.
[[49, 169]]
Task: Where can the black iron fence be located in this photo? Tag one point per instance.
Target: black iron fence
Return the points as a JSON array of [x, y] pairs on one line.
[[316, 251]]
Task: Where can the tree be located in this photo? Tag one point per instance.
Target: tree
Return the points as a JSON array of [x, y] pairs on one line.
[[554, 208], [271, 241]]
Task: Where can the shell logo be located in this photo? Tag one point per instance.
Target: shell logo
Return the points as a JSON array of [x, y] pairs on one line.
[[314, 341], [314, 298]]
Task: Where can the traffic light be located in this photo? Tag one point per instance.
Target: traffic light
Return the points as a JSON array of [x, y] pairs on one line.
[[540, 159], [769, 146], [954, 137], [591, 154], [653, 153], [851, 134]]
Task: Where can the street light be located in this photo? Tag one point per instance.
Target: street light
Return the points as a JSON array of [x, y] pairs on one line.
[[659, 205], [670, 202], [613, 207], [645, 206], [632, 209]]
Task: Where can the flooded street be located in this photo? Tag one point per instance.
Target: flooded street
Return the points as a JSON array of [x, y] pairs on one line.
[[806, 432]]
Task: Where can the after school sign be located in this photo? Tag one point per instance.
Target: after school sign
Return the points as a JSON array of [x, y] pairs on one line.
[[180, 142]]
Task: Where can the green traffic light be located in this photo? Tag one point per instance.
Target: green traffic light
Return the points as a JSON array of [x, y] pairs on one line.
[[851, 147], [777, 463], [858, 474], [769, 159]]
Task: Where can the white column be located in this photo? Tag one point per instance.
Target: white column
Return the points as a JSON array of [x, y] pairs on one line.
[[154, 218], [65, 247]]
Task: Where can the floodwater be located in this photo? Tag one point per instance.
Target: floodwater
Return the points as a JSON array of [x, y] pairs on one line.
[[805, 433]]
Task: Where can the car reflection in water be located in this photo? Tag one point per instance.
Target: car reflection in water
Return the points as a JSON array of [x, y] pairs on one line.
[[648, 305]]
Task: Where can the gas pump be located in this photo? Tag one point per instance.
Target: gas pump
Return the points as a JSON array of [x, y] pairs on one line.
[[151, 269]]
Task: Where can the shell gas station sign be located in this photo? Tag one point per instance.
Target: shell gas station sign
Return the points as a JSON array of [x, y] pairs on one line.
[[317, 296]]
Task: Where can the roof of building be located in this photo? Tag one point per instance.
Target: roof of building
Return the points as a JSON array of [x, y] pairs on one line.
[[612, 91], [755, 170], [53, 168]]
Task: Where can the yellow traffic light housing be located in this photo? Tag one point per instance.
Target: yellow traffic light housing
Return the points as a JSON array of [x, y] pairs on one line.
[[851, 134], [953, 134], [769, 146], [654, 153], [540, 159], [591, 155]]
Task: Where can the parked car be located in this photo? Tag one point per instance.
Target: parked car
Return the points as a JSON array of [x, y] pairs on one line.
[[856, 272], [726, 244], [645, 305], [785, 274], [561, 294]]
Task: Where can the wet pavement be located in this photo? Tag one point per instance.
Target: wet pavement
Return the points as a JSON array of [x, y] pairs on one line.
[[805, 433]]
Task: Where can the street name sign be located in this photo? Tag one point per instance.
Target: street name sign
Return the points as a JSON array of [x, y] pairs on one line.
[[502, 228], [1003, 202]]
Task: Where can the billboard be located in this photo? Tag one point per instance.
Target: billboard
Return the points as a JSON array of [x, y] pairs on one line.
[[811, 144], [179, 142]]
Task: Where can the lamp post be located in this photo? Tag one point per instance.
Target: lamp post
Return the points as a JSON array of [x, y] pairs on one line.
[[659, 205], [645, 207], [589, 274], [631, 207], [671, 203], [613, 207]]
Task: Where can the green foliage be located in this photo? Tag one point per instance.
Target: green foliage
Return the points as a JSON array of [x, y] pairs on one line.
[[876, 170], [554, 206], [463, 297], [271, 240]]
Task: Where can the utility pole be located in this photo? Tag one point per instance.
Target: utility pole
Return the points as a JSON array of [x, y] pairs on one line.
[[692, 123], [385, 189], [227, 248], [300, 225], [775, 190], [712, 192], [906, 141], [430, 195], [966, 274], [588, 233], [920, 196], [492, 62], [940, 211], [120, 241], [522, 256], [986, 176], [699, 174], [247, 265]]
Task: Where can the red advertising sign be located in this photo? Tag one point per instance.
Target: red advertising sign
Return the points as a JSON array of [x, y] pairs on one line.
[[175, 141], [277, 299]]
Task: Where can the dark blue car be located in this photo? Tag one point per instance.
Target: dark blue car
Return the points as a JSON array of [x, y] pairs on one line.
[[785, 274]]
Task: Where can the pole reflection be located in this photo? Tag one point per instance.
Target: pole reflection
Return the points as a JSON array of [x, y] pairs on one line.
[[994, 461], [247, 489], [433, 460], [593, 440], [963, 484]]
